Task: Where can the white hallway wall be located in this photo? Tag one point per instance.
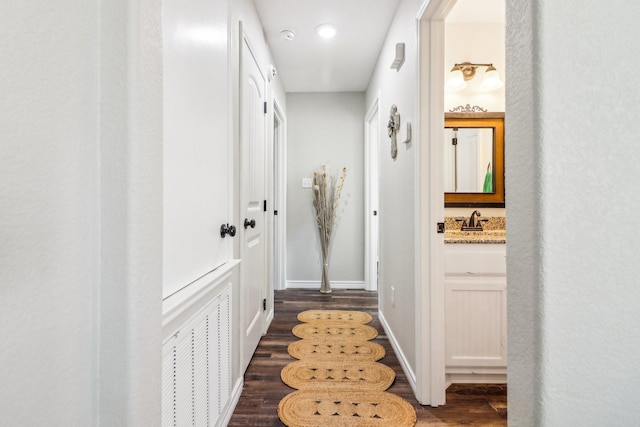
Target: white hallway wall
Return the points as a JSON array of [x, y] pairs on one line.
[[81, 203], [397, 185], [48, 269], [325, 128], [81, 120], [573, 290]]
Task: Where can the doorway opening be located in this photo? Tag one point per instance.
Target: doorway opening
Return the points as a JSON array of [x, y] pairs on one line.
[[371, 260], [279, 197], [433, 293]]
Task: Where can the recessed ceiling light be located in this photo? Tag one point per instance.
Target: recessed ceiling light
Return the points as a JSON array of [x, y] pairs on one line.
[[326, 31], [287, 35]]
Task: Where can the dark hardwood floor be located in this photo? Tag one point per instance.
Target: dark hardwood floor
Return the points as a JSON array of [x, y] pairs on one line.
[[472, 405]]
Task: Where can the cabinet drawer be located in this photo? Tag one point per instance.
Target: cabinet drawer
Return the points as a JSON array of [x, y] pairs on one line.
[[487, 259]]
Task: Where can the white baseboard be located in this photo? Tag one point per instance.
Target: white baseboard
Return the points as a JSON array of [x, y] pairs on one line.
[[269, 319], [408, 372], [315, 284], [225, 416]]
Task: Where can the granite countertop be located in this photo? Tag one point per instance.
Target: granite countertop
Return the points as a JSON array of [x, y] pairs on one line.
[[494, 231]]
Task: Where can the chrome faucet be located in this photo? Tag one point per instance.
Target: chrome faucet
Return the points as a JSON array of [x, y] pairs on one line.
[[474, 222]]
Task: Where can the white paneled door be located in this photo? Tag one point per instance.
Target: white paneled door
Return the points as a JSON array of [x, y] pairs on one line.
[[252, 199], [196, 171]]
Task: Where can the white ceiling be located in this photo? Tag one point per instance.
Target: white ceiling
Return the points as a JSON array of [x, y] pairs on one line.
[[310, 64], [477, 11], [346, 62]]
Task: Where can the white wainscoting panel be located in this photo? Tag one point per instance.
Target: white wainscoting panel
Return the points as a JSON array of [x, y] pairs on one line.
[[196, 366]]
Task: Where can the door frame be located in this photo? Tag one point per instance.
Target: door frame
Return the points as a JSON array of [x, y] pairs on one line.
[[430, 297], [279, 179], [371, 236]]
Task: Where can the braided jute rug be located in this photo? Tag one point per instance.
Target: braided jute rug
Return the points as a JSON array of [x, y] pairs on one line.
[[309, 408], [338, 375], [338, 379], [336, 349], [324, 329], [335, 315]]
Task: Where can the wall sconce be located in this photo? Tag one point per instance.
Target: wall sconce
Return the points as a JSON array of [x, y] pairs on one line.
[[465, 71]]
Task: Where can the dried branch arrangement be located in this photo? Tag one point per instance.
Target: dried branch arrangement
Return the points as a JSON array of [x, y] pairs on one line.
[[326, 194]]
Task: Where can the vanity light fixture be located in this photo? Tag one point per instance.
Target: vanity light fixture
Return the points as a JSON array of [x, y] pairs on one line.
[[465, 71], [455, 82], [326, 31], [491, 79]]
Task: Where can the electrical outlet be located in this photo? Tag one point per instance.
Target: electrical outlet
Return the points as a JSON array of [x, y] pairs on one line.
[[393, 297], [307, 182]]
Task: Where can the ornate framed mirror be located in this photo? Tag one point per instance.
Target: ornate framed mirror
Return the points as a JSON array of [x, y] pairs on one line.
[[474, 160]]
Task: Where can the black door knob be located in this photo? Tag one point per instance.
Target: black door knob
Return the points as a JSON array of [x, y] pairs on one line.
[[248, 223], [227, 229]]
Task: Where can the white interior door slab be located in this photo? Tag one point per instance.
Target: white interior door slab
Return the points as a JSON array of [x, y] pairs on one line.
[[196, 148], [252, 196]]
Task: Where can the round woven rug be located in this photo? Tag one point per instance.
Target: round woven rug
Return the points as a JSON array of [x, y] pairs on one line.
[[323, 330], [315, 375], [335, 315], [336, 349], [305, 408]]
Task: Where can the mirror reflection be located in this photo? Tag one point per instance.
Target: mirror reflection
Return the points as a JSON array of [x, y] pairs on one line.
[[474, 159], [468, 166]]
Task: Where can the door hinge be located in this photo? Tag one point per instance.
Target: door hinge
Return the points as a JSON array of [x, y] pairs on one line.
[[264, 206], [265, 107], [440, 227], [264, 304]]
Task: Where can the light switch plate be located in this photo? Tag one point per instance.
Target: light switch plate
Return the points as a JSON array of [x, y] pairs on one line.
[[306, 182]]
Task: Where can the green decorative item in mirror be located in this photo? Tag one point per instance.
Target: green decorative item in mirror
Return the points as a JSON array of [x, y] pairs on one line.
[[488, 181]]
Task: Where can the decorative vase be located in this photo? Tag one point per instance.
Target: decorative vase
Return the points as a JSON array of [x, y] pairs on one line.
[[325, 285], [326, 193]]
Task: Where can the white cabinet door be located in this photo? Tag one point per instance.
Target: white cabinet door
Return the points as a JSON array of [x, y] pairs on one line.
[[475, 322], [475, 312]]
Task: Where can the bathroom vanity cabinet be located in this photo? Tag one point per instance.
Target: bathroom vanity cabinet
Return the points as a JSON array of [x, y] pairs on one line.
[[475, 312]]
